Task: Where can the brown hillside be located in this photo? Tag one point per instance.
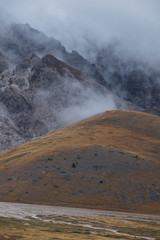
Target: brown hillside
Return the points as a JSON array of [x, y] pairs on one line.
[[109, 161]]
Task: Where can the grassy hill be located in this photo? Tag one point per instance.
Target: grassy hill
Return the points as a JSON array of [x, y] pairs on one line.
[[109, 161]]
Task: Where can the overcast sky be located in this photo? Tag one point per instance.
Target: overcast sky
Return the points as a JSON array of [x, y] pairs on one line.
[[135, 22]]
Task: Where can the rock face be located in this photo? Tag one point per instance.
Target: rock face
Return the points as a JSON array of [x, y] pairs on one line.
[[19, 41], [130, 79], [38, 94], [3, 63]]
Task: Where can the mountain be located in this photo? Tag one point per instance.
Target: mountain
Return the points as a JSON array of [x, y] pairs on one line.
[[44, 87], [126, 76], [109, 161], [20, 41], [43, 94]]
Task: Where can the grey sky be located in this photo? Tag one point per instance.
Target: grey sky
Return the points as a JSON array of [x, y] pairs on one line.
[[135, 22]]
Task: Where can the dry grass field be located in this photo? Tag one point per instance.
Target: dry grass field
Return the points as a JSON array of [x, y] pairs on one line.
[[109, 161]]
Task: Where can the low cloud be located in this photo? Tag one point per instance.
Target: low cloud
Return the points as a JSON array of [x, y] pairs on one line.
[[95, 104], [135, 23], [75, 102]]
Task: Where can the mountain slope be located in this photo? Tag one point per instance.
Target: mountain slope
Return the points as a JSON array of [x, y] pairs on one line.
[[109, 161]]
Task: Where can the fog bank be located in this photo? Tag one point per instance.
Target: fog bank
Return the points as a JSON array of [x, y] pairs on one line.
[[79, 24]]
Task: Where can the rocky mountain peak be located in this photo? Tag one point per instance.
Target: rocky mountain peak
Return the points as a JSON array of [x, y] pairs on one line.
[[38, 92], [61, 67], [20, 41]]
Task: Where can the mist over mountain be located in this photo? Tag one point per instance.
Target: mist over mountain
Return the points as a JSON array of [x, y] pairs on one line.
[[131, 79], [135, 23], [62, 61], [42, 94]]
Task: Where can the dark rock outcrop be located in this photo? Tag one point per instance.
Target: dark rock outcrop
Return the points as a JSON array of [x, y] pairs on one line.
[[130, 79], [3, 63]]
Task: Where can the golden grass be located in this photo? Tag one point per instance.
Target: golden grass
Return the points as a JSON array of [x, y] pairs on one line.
[[126, 130], [34, 229], [118, 157]]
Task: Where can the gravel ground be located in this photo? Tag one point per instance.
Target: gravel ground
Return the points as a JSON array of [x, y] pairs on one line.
[[18, 210]]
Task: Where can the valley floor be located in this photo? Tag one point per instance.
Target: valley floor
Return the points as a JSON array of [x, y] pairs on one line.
[[27, 221]]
